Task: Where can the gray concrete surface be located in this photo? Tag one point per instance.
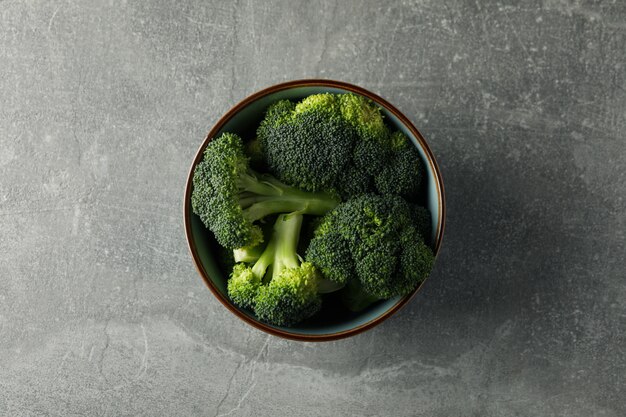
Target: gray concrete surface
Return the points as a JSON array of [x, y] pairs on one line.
[[104, 103]]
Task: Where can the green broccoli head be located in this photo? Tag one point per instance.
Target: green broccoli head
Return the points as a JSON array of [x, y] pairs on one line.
[[379, 238], [370, 157], [423, 221], [290, 297], [217, 183], [229, 197], [276, 113], [364, 115], [330, 252], [402, 173], [245, 280], [243, 286], [308, 146], [338, 142], [325, 102], [353, 182]]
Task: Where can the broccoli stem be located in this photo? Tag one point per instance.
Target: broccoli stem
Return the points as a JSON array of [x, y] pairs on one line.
[[265, 260], [262, 196], [249, 181], [286, 204], [248, 254], [287, 233]]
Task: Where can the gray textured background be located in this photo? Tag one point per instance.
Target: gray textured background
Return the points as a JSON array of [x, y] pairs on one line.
[[103, 105]]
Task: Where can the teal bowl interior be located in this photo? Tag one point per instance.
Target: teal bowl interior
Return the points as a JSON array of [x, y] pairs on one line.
[[334, 320]]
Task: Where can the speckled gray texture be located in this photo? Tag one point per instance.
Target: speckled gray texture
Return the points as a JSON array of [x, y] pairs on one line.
[[104, 103]]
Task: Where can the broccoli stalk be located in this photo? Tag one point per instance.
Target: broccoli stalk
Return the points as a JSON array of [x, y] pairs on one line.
[[248, 254], [229, 197], [262, 195]]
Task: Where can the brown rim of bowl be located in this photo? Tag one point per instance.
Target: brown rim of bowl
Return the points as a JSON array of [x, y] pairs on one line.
[[225, 118]]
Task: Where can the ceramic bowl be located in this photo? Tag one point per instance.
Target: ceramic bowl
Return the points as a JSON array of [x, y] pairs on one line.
[[333, 322]]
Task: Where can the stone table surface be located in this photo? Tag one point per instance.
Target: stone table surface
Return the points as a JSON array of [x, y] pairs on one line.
[[104, 103]]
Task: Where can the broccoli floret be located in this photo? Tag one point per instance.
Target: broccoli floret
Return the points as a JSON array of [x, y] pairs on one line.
[[243, 286], [290, 297], [377, 235], [390, 158], [308, 145], [325, 102], [402, 173], [422, 220], [229, 197], [338, 142], [279, 287], [277, 112], [245, 281], [292, 294], [353, 182], [370, 156], [251, 254], [364, 115], [331, 253]]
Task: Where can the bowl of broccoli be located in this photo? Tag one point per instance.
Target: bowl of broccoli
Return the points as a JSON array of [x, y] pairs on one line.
[[314, 210]]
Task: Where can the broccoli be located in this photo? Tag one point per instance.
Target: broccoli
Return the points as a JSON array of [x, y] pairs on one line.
[[390, 159], [374, 240], [353, 182], [402, 174], [422, 220], [245, 281], [325, 102], [229, 197], [291, 291], [306, 145], [338, 142], [364, 116]]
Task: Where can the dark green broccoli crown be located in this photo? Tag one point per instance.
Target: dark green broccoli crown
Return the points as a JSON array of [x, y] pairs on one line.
[[402, 172], [243, 286], [370, 156], [330, 253], [353, 182], [384, 245], [216, 185], [276, 113], [338, 141], [309, 149], [423, 221], [290, 297]]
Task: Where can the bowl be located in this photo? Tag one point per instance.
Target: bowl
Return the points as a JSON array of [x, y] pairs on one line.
[[333, 322]]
